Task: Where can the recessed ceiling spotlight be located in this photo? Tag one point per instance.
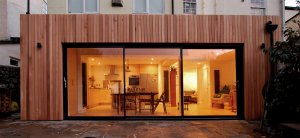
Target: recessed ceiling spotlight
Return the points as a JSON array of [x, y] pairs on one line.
[[98, 63], [150, 62], [93, 59], [152, 59]]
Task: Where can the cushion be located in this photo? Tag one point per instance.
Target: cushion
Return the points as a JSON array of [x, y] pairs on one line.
[[225, 90], [217, 95]]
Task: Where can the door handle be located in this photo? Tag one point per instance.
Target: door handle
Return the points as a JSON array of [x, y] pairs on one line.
[[237, 84], [65, 82]]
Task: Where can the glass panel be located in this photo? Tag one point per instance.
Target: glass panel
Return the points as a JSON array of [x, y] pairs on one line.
[[75, 6], [152, 82], [189, 8], [258, 3], [156, 6], [140, 6], [91, 5], [209, 82], [95, 81]]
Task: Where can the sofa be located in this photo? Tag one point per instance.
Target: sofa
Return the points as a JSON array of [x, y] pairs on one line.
[[191, 96]]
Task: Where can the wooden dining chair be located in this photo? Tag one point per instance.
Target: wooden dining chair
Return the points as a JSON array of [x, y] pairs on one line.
[[144, 99], [161, 99]]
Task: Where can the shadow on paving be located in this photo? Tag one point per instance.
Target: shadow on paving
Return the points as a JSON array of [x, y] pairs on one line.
[[13, 127]]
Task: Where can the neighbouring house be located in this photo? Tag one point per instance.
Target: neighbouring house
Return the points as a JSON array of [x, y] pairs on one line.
[[158, 59], [10, 11], [289, 23], [290, 12]]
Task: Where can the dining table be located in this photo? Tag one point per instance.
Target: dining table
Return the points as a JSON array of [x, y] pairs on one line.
[[119, 96]]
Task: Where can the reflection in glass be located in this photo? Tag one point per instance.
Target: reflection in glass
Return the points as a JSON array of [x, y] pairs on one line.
[[209, 82]]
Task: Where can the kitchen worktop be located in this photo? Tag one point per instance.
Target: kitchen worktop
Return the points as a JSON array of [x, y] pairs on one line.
[[98, 96]]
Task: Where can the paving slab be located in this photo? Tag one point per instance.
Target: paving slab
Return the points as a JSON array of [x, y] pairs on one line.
[[13, 127]]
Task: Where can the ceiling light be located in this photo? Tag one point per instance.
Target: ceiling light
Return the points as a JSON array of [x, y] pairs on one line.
[[150, 62], [93, 59], [152, 59], [99, 63]]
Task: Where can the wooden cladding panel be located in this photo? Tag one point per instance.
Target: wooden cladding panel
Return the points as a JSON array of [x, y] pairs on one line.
[[24, 72], [41, 69]]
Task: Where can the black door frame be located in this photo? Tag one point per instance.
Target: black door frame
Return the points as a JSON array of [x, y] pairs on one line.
[[239, 56]]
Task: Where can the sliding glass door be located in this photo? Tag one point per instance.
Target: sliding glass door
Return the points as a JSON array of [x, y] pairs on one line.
[[95, 75], [152, 82], [209, 82], [129, 81]]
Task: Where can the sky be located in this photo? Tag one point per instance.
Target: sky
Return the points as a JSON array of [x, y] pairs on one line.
[[290, 3]]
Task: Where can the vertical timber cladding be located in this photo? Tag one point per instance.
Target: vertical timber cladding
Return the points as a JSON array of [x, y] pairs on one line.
[[41, 68]]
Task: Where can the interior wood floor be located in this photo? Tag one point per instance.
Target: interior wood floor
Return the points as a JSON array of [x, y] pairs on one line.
[[194, 110]]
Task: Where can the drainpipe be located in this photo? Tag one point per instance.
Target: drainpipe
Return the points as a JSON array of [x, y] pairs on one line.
[[270, 28], [173, 7], [28, 7], [282, 14]]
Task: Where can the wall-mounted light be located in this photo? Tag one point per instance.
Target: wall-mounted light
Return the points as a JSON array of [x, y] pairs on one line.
[[39, 45], [271, 27]]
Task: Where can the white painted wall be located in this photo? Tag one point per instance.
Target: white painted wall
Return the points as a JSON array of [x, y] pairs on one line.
[[57, 6], [10, 11], [17, 7], [3, 20], [205, 7], [7, 51], [273, 7]]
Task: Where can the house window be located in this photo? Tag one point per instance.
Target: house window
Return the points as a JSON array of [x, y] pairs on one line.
[[83, 6], [189, 6], [14, 61], [258, 7], [149, 6]]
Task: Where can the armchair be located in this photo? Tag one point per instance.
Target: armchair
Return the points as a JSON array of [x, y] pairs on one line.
[[226, 97], [218, 101]]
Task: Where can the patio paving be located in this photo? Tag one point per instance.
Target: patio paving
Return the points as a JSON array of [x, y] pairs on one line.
[[13, 127]]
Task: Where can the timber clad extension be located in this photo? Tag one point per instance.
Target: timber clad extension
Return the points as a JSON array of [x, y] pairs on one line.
[[42, 68]]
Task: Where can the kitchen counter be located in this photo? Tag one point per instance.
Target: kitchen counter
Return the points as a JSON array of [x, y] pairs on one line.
[[98, 96], [98, 88]]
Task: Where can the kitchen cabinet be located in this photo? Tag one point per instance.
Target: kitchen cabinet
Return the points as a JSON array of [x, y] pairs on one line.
[[98, 96]]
